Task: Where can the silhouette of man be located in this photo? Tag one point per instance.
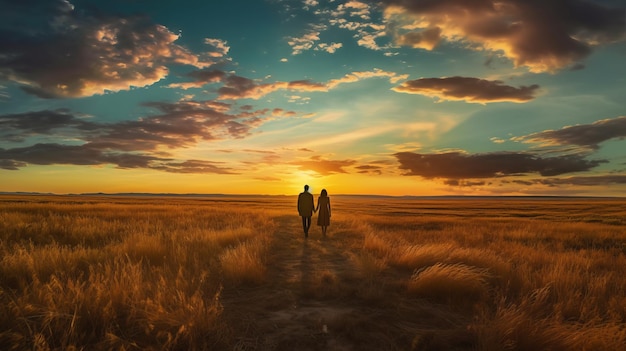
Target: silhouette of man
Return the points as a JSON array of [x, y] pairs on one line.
[[305, 209]]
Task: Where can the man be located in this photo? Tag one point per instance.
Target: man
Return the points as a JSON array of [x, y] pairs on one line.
[[305, 209]]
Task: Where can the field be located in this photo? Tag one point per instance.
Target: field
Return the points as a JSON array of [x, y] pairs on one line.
[[235, 273]]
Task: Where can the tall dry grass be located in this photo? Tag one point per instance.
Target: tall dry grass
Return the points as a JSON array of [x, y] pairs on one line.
[[552, 282], [124, 273], [129, 275]]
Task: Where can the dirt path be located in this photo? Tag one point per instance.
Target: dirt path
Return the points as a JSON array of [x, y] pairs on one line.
[[316, 298]]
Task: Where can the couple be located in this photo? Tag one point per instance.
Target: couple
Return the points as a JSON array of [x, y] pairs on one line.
[[306, 209]]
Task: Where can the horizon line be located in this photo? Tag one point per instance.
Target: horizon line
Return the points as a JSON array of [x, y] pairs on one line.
[[34, 193]]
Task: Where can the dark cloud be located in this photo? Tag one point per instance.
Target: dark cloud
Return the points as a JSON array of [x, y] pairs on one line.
[[467, 89], [197, 120], [11, 165], [127, 144], [542, 35], [194, 166], [585, 135], [464, 183], [234, 86], [50, 153], [324, 166], [17, 127], [457, 165], [600, 180], [175, 125], [369, 169], [65, 53], [237, 87], [603, 180], [520, 182]]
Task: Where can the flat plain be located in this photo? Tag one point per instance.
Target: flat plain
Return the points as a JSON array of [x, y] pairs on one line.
[[236, 273]]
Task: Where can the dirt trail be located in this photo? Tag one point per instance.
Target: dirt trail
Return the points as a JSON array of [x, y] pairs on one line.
[[315, 299]]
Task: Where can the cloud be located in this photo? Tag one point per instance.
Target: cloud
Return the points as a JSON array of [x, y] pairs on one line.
[[200, 78], [127, 144], [594, 180], [179, 124], [323, 166], [11, 165], [220, 47], [464, 183], [602, 180], [307, 41], [497, 140], [279, 112], [359, 75], [369, 169], [269, 179], [18, 127], [52, 153], [311, 3], [355, 16], [69, 54], [193, 166], [352, 16], [474, 90], [457, 165], [306, 85], [356, 8], [541, 35], [238, 87], [329, 48], [588, 136], [426, 39]]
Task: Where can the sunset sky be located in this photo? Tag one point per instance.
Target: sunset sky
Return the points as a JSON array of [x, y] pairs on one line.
[[390, 97]]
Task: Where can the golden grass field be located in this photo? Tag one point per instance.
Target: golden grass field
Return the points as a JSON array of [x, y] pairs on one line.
[[235, 273]]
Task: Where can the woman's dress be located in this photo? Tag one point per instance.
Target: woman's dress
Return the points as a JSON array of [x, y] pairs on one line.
[[323, 218]]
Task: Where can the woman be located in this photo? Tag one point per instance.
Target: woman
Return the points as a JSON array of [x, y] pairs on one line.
[[323, 205]]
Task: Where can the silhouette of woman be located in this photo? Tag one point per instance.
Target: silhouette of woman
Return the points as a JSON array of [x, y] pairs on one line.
[[323, 205]]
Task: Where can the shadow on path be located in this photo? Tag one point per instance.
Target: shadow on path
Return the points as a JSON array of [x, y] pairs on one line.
[[313, 300]]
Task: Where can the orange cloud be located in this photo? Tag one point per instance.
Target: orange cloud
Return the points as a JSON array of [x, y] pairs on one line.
[[220, 47], [309, 40], [237, 87]]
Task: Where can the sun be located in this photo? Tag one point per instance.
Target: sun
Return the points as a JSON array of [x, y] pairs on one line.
[[301, 178]]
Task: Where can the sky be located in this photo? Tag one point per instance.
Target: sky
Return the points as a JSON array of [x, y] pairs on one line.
[[387, 97]]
